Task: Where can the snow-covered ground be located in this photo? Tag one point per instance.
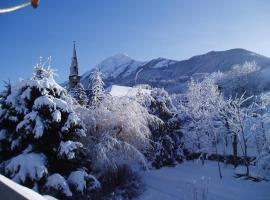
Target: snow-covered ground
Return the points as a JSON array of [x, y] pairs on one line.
[[185, 180]]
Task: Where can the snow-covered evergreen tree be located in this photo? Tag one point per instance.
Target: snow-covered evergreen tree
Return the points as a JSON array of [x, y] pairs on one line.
[[39, 134], [97, 88], [79, 94], [167, 138]]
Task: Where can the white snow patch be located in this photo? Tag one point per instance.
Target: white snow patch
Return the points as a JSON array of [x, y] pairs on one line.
[[58, 182], [68, 148], [164, 63], [44, 101], [31, 165], [3, 134], [56, 116], [180, 183], [120, 91], [79, 180]]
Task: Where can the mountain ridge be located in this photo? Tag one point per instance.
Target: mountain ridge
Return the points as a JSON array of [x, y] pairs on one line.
[[171, 74]]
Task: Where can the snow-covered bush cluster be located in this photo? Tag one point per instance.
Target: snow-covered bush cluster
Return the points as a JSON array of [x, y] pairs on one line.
[[228, 129], [40, 135], [51, 139], [241, 79], [117, 132]]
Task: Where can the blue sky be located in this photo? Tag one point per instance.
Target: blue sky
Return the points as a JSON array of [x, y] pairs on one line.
[[143, 29]]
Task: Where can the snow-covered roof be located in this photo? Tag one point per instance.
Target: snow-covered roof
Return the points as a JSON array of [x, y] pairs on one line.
[[120, 91]]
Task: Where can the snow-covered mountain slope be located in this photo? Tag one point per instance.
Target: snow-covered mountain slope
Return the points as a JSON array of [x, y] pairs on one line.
[[170, 74], [119, 65]]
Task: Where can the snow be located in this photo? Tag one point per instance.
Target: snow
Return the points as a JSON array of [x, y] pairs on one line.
[[120, 91], [58, 182], [47, 197], [15, 143], [23, 166], [180, 183], [115, 65], [23, 191], [56, 116], [163, 62], [67, 149], [79, 180], [73, 119], [39, 127], [26, 94], [63, 105], [3, 134], [44, 101]]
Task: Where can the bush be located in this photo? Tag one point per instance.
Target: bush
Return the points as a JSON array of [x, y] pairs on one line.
[[121, 182]]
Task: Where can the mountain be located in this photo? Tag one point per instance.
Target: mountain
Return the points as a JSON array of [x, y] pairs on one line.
[[171, 74]]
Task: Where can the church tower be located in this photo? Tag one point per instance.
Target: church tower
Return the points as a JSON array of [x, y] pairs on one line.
[[74, 78]]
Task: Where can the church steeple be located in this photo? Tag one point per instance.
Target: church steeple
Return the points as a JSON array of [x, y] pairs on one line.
[[74, 63], [74, 78]]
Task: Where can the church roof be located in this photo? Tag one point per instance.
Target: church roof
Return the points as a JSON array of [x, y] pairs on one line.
[[74, 68]]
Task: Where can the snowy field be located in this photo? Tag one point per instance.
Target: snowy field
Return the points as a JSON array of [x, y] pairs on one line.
[[186, 180]]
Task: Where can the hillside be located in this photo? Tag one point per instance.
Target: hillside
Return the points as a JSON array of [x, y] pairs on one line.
[[170, 74]]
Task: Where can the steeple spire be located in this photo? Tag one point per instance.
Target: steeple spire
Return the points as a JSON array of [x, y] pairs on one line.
[[74, 50], [74, 77], [74, 68]]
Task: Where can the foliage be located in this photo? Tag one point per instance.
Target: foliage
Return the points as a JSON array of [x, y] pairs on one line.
[[39, 132]]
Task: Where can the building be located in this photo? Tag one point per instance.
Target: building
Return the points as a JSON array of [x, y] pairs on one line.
[[74, 78], [75, 88], [125, 91]]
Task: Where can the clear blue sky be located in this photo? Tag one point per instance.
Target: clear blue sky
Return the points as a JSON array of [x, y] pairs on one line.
[[143, 29]]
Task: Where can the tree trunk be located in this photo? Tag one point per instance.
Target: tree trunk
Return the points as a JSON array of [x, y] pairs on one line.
[[234, 145], [246, 157]]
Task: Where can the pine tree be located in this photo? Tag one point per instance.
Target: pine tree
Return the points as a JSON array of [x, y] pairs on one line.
[[39, 133], [167, 139], [97, 89], [79, 94]]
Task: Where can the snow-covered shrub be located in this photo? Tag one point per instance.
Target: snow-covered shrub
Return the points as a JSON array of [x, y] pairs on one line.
[[168, 150], [58, 186], [122, 183], [263, 161], [80, 181], [31, 166], [117, 131], [39, 132], [166, 138]]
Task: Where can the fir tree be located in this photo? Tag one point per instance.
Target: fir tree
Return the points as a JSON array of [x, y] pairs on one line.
[[167, 139], [97, 89], [39, 133], [79, 94]]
